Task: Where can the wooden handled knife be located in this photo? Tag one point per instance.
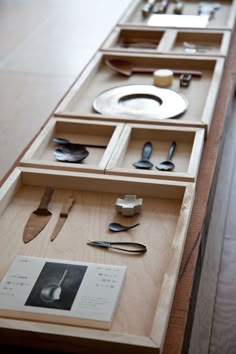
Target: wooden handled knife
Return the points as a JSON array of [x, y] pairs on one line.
[[62, 218], [39, 218]]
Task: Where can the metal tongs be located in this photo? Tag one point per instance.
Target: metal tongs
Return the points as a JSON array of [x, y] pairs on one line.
[[136, 248]]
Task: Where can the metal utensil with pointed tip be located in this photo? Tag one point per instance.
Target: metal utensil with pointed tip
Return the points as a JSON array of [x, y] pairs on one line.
[[63, 216], [127, 68], [39, 218]]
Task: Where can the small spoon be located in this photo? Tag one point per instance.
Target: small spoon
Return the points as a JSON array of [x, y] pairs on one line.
[[61, 141], [144, 163], [168, 165], [115, 227]]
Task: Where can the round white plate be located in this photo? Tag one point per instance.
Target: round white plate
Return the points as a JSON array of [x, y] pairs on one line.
[[141, 101]]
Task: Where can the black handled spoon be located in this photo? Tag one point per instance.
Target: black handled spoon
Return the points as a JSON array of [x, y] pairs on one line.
[[168, 165], [144, 163], [115, 227]]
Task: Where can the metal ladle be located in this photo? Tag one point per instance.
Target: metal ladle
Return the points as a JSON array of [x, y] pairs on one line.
[[144, 163], [168, 165], [115, 227], [52, 292]]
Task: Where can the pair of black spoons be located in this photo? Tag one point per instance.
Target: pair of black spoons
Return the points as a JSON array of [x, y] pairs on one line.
[[146, 164]]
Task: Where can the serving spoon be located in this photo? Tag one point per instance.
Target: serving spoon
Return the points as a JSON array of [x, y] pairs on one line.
[[168, 165], [145, 163], [116, 227]]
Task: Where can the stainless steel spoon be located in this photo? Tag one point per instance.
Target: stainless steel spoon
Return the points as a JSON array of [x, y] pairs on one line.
[[168, 165], [144, 163], [115, 227], [69, 154]]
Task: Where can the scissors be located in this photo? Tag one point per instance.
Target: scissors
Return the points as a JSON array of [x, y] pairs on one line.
[[134, 247]]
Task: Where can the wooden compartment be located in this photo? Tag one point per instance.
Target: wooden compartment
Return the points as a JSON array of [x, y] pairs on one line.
[[99, 77], [142, 316], [168, 41], [186, 157], [224, 17], [104, 135]]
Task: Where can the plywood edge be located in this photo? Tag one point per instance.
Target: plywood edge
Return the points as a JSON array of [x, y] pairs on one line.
[[43, 164], [39, 142], [119, 148], [162, 314], [225, 42], [213, 92], [9, 188], [196, 153], [92, 66], [167, 40], [129, 11], [150, 174], [231, 20], [101, 182], [111, 40], [111, 147]]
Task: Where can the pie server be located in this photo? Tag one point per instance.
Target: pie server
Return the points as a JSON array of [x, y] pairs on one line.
[[39, 218]]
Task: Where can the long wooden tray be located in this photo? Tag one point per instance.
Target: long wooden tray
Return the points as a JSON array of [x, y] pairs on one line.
[[168, 41], [142, 316], [98, 77], [224, 17]]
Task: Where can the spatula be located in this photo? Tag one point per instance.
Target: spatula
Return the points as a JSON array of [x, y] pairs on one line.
[[39, 218], [127, 68]]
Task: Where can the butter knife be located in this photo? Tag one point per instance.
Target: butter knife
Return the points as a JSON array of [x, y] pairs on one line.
[[63, 216]]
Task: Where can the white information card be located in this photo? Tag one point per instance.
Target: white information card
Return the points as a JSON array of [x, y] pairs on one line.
[[57, 291]]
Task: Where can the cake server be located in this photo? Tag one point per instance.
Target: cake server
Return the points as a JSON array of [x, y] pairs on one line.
[[39, 218]]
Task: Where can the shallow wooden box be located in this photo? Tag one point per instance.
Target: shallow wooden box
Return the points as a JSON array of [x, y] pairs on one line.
[[142, 315], [187, 154], [168, 41], [224, 18], [98, 77], [104, 134]]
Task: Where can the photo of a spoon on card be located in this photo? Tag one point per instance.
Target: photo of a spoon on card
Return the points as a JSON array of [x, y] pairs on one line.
[[61, 141], [145, 163], [168, 165], [116, 227], [52, 291]]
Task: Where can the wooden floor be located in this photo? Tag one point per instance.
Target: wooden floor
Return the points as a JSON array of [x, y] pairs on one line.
[[214, 329], [44, 45]]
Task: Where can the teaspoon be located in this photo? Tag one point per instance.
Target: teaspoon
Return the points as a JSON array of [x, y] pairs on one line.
[[168, 165], [115, 227], [144, 163]]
